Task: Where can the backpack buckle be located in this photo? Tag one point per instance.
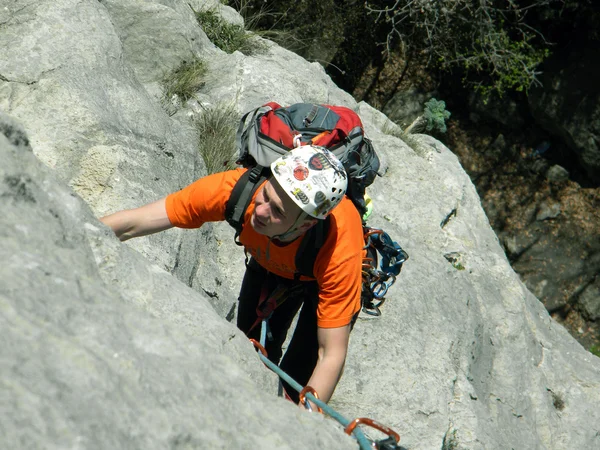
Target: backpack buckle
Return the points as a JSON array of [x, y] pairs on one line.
[[255, 173]]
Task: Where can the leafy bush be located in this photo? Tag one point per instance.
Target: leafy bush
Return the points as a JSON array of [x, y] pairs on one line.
[[433, 118], [435, 114], [494, 42], [216, 128]]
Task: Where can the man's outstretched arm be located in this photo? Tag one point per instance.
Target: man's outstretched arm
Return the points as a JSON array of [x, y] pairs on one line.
[[333, 345], [147, 219]]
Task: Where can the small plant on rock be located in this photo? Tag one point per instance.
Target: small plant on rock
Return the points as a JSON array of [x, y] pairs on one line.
[[227, 36], [433, 118], [181, 84], [216, 128]]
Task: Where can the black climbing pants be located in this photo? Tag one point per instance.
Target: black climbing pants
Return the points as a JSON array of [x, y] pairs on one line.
[[301, 355]]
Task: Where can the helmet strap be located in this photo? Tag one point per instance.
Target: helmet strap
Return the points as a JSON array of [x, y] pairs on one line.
[[289, 234]]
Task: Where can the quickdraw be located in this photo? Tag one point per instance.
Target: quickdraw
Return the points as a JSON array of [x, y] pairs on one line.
[[377, 281]]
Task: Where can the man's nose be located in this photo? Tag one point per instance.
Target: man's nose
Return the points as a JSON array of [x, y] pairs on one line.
[[264, 212]]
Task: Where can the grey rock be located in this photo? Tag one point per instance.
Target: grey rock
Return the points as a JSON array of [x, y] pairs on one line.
[[104, 349], [557, 174], [548, 211], [589, 301], [541, 166]]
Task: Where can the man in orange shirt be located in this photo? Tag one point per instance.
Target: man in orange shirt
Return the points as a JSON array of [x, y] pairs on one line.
[[307, 185]]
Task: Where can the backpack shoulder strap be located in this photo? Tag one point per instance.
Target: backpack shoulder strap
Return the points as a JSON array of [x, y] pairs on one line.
[[240, 198], [309, 248]]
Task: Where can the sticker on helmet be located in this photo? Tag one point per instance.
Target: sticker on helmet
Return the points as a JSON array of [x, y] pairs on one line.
[[335, 163], [277, 168], [319, 162], [323, 208], [319, 197], [300, 172], [300, 195], [326, 160], [321, 182]]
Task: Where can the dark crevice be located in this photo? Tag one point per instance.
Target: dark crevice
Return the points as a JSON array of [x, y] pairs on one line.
[[231, 313], [448, 218]]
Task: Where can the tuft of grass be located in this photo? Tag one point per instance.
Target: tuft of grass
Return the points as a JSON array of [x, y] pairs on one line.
[[227, 36], [181, 84], [595, 350], [393, 129], [216, 128]]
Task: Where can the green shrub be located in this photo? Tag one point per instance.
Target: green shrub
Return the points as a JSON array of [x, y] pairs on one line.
[[216, 128], [595, 350], [435, 114], [497, 45], [227, 36], [184, 81], [433, 118]]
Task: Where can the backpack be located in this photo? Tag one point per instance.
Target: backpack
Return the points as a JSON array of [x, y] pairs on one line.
[[268, 132]]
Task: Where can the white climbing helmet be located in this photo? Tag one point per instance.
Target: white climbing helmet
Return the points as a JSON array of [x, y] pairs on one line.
[[313, 177]]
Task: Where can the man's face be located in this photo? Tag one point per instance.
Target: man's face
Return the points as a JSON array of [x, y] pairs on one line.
[[274, 212]]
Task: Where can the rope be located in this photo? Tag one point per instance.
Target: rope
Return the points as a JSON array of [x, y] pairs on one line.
[[363, 441], [350, 427]]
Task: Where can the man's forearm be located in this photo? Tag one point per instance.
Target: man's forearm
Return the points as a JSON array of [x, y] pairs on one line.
[[333, 346], [326, 375], [131, 223]]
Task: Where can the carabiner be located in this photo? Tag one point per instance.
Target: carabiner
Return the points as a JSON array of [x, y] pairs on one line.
[[381, 286]]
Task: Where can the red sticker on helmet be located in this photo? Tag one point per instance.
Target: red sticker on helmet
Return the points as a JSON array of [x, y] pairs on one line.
[[300, 173]]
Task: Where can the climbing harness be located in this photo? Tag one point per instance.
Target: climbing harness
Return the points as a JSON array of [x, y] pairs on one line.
[[268, 303], [377, 281]]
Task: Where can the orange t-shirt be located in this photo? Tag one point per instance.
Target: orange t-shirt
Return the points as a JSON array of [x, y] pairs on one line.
[[337, 268]]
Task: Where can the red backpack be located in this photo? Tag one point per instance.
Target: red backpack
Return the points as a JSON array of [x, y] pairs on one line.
[[270, 131]]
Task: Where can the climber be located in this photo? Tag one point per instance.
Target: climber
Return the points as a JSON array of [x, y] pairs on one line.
[[307, 185]]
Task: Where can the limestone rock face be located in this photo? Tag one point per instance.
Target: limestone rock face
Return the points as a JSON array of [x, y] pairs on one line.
[[105, 349]]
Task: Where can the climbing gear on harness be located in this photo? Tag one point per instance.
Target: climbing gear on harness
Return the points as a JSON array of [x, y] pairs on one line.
[[377, 281], [268, 303], [392, 439], [369, 210]]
